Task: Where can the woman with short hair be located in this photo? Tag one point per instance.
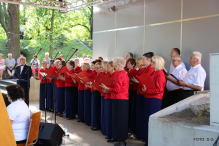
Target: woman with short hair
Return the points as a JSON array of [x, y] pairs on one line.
[[42, 87], [87, 96], [130, 64], [153, 97], [70, 92], [107, 119], [146, 60], [35, 65], [96, 102], [60, 91], [2, 63], [18, 112], [120, 102]]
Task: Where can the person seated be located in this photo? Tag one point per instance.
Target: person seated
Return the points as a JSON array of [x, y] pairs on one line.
[[18, 112], [18, 60], [2, 64], [47, 58], [35, 65], [10, 65], [194, 79], [179, 73]]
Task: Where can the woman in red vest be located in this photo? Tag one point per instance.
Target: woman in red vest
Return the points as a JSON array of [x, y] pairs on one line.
[[120, 102], [42, 86], [153, 97], [146, 60]]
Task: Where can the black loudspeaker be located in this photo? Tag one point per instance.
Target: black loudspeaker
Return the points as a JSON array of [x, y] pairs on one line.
[[50, 135]]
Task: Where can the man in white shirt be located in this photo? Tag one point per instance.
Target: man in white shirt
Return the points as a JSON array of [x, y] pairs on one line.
[[194, 79], [178, 73], [175, 52]]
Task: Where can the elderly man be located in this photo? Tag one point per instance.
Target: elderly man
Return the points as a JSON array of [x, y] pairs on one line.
[[194, 79], [23, 74], [178, 73], [128, 55], [10, 64], [175, 52]]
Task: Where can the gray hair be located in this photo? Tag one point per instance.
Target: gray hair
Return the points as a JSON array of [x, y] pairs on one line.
[[77, 60], [119, 61], [47, 53], [56, 62], [177, 58], [198, 56], [9, 54]]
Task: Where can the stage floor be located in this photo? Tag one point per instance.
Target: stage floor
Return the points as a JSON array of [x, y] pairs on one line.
[[79, 133]]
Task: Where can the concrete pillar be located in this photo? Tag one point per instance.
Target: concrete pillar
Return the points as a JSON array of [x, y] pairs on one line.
[[214, 89]]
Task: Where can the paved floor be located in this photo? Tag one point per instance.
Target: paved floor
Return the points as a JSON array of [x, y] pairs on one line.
[[79, 133]]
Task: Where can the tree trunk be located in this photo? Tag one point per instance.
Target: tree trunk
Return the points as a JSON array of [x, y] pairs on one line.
[[51, 32], [91, 24], [14, 29]]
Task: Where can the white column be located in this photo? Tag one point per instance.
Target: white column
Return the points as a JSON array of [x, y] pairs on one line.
[[214, 89]]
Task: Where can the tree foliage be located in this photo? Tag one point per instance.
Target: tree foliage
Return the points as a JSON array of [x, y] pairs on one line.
[[68, 28]]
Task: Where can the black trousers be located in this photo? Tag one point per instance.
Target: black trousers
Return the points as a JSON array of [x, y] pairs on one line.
[[165, 100], [182, 94], [26, 88]]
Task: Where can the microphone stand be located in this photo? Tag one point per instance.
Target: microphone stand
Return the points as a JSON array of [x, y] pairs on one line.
[[55, 79], [27, 72], [45, 92]]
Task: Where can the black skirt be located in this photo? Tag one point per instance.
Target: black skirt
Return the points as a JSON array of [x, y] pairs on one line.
[[120, 111]]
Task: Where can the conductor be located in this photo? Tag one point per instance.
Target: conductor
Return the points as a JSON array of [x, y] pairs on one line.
[[23, 77]]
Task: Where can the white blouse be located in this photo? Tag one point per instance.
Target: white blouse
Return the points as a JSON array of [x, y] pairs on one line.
[[19, 112]]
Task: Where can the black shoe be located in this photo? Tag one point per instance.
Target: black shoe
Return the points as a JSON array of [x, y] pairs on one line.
[[111, 140], [120, 144], [108, 137], [94, 129], [80, 121]]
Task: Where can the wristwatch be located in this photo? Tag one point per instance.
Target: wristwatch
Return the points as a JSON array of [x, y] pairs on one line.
[[187, 85]]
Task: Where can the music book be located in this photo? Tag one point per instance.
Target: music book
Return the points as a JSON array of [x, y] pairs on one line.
[[95, 85], [78, 69], [174, 77], [146, 80], [74, 76], [165, 73], [52, 72], [86, 80], [21, 80], [134, 74], [102, 79], [62, 71], [37, 78]]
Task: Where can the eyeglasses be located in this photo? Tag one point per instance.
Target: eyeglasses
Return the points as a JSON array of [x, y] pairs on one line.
[[152, 62], [193, 58], [174, 60]]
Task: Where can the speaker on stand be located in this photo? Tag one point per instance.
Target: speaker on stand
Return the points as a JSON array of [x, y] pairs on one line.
[[49, 135]]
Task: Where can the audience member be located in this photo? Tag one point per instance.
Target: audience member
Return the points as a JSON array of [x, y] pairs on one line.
[[18, 60], [10, 65], [2, 65], [47, 58], [35, 65], [18, 112]]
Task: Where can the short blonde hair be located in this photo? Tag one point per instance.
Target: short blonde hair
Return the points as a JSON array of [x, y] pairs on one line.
[[47, 53], [1, 54], [159, 62], [87, 65], [104, 64], [119, 61], [139, 61], [110, 64], [44, 61]]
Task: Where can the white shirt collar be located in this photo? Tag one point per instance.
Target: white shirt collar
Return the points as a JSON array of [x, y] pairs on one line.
[[196, 66]]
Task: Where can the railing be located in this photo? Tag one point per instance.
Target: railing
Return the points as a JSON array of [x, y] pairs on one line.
[[63, 5]]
